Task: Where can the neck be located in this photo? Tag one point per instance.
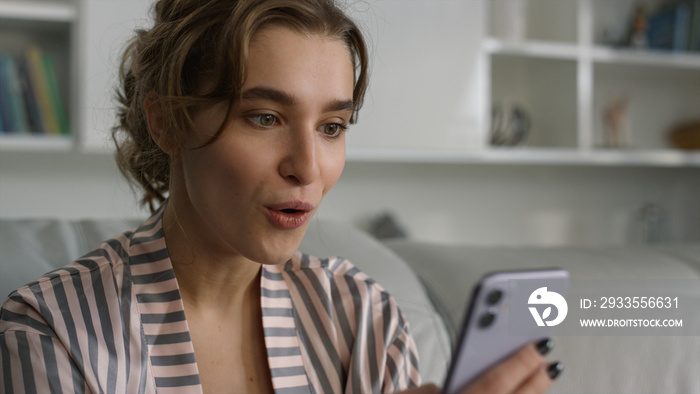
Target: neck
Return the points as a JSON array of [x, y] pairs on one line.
[[205, 273]]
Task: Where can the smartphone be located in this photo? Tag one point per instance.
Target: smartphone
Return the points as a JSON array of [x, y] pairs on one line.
[[508, 310]]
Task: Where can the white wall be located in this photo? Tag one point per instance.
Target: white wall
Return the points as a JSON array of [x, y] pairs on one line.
[[427, 82], [488, 205], [519, 205], [63, 185]]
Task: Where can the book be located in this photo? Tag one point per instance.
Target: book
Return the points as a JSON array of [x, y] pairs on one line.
[[670, 27], [40, 86], [14, 95], [694, 29], [5, 122], [682, 27], [33, 112], [661, 28], [55, 96]]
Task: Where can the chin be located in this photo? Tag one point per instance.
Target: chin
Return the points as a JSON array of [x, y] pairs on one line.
[[275, 259], [276, 251]]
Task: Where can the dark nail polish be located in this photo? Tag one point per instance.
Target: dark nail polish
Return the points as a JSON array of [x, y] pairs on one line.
[[555, 369], [544, 346]]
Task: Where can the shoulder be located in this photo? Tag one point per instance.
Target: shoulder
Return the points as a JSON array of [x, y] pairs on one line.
[[35, 304], [56, 290], [98, 279]]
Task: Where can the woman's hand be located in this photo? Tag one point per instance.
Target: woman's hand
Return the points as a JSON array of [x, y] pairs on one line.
[[524, 372]]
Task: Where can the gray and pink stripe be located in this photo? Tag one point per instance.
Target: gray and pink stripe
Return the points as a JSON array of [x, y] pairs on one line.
[[113, 321]]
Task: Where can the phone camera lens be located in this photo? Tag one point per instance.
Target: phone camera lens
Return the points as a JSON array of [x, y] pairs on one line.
[[493, 297], [486, 319]]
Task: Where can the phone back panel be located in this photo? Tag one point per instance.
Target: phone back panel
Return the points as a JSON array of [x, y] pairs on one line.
[[494, 329]]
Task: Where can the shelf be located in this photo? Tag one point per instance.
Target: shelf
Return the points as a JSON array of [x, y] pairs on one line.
[[647, 58], [528, 156], [554, 68], [565, 82], [530, 48], [496, 156], [47, 11], [35, 143], [599, 53]]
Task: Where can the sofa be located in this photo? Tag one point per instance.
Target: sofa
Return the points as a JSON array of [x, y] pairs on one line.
[[432, 283]]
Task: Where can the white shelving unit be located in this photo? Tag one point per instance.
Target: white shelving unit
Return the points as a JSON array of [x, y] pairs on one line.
[[48, 24], [548, 57], [84, 38]]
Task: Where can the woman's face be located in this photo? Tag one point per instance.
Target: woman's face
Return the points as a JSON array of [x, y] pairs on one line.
[[254, 189]]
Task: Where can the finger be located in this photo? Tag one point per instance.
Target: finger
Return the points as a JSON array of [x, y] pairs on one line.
[[539, 382], [425, 389], [509, 374]]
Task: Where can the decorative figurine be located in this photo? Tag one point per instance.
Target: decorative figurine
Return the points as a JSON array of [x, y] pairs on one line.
[[637, 37], [615, 134]]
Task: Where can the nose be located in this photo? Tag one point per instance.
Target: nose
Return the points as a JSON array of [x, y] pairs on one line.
[[300, 163]]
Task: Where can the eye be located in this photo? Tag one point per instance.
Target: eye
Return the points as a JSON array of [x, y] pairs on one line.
[[265, 120], [332, 129]]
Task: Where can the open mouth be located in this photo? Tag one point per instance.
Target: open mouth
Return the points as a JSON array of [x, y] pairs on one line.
[[289, 215]]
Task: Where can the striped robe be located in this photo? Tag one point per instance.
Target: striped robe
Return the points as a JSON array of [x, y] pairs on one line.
[[113, 321]]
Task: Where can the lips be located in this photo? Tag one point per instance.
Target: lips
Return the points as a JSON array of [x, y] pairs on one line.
[[289, 215]]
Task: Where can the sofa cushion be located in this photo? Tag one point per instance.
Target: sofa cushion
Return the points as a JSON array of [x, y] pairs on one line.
[[594, 364]]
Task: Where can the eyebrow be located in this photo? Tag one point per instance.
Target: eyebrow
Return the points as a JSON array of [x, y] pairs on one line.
[[278, 96]]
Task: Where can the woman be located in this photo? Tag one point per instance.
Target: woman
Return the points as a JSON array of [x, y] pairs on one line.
[[237, 111]]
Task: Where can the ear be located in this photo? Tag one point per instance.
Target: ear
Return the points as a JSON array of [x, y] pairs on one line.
[[156, 123]]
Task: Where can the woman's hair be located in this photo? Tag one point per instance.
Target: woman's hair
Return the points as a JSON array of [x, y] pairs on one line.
[[195, 41]]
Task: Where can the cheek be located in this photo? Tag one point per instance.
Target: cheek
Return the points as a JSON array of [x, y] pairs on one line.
[[223, 169], [333, 168], [207, 122], [241, 168]]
